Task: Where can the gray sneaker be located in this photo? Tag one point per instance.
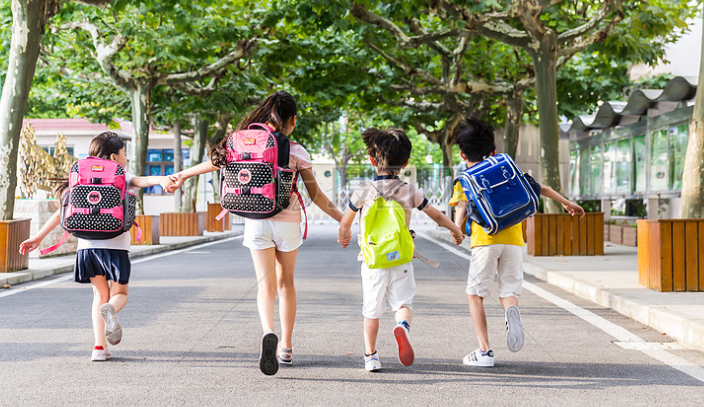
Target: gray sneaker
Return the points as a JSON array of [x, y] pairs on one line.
[[113, 329], [514, 328]]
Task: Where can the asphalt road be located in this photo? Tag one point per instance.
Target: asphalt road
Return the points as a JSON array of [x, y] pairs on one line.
[[191, 337]]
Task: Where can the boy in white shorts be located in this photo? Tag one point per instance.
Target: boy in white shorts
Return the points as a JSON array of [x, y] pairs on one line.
[[389, 152], [491, 254]]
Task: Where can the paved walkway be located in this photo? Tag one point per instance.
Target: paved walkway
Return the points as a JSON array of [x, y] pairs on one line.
[[612, 281]]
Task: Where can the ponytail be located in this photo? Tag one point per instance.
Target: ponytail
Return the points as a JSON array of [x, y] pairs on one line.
[[277, 109]]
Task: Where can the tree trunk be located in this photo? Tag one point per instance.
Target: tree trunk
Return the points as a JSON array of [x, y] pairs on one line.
[[514, 112], [178, 161], [197, 151], [28, 19], [692, 205], [141, 104], [545, 61]]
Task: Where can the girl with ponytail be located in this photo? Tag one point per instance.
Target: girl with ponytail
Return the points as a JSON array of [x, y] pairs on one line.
[[273, 242]]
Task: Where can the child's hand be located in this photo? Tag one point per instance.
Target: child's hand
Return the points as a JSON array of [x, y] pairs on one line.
[[457, 236], [166, 183], [574, 209], [176, 180], [29, 245], [344, 237]]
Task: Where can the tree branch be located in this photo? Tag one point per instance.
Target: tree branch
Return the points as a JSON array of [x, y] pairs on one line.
[[104, 54], [597, 18], [243, 49], [404, 41], [567, 52], [503, 32], [407, 69]]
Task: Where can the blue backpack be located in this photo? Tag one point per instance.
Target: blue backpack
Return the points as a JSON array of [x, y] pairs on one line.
[[499, 194]]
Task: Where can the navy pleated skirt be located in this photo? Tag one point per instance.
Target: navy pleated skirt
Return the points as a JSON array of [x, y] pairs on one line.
[[113, 264]]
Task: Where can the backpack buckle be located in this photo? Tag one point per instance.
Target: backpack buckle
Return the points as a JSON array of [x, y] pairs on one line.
[[487, 185], [96, 180], [507, 175], [246, 191], [246, 156], [95, 210]]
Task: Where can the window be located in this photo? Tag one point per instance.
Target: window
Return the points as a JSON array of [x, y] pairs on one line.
[[574, 172], [678, 150], [639, 162], [161, 162], [584, 172], [609, 169], [596, 175], [624, 167], [658, 161]]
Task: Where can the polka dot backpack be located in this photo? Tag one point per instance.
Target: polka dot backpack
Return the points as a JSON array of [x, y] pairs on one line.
[[257, 182], [97, 203]]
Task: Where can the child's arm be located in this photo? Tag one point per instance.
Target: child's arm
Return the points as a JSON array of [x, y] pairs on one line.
[[33, 242], [344, 234], [445, 222], [460, 214], [180, 177], [151, 180], [569, 206], [318, 197]]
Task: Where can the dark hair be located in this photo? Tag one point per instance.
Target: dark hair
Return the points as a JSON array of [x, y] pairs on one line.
[[475, 139], [390, 149], [102, 146], [105, 144], [277, 109]]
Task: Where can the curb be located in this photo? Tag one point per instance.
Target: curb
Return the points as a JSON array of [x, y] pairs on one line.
[[687, 331], [25, 276]]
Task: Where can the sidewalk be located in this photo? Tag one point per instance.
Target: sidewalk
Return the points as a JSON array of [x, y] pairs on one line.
[[612, 281], [46, 267]]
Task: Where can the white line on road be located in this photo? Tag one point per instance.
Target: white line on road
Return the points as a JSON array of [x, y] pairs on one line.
[[621, 334], [22, 289]]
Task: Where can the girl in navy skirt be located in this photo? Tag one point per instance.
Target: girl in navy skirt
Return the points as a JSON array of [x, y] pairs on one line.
[[105, 264]]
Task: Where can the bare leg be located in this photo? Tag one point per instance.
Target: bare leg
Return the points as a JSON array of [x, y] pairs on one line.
[[404, 314], [101, 294], [118, 295], [476, 310], [285, 265], [371, 330], [508, 301], [265, 266]]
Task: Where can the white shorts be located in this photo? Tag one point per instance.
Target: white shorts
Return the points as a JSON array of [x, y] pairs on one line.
[[260, 234], [398, 282], [486, 261]]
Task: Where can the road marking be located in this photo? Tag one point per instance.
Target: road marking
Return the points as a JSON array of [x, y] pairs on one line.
[[621, 334], [650, 345], [26, 288]]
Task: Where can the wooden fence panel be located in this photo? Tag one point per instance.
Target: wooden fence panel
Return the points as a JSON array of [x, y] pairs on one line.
[[215, 225], [150, 230], [691, 256], [12, 233], [678, 253], [701, 256], [564, 235], [182, 224]]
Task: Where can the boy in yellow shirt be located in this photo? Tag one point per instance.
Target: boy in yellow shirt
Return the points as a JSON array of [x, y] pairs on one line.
[[491, 254]]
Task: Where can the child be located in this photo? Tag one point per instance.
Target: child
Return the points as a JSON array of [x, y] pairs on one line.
[[389, 152], [100, 261], [273, 242], [491, 254]]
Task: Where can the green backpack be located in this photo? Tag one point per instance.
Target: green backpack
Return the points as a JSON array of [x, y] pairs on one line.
[[386, 240]]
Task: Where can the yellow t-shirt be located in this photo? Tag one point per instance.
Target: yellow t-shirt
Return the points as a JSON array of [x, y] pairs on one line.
[[512, 235]]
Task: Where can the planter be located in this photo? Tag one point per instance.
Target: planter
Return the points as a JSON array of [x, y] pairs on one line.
[[12, 233], [629, 236], [215, 225], [182, 224], [615, 234], [671, 254], [150, 230], [565, 235]]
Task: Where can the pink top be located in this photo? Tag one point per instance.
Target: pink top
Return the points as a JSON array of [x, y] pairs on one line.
[[298, 160]]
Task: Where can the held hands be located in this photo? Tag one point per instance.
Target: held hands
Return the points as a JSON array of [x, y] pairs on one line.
[[344, 237], [457, 236], [574, 209], [175, 182], [166, 183], [29, 245]]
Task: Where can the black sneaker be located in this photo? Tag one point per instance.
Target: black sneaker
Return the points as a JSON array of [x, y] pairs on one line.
[[267, 358]]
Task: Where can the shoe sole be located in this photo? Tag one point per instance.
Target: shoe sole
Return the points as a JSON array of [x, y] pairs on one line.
[[285, 362], [478, 364], [405, 351], [514, 337], [267, 359], [113, 329], [376, 369]]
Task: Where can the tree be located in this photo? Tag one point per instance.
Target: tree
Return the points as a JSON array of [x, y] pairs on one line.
[[692, 205], [29, 18]]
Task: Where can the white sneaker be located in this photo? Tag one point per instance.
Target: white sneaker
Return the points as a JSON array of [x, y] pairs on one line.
[[372, 363], [477, 358], [514, 329], [100, 355], [113, 329]]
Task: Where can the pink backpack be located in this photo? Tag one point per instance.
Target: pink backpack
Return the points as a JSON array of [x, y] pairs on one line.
[[97, 204], [257, 182]]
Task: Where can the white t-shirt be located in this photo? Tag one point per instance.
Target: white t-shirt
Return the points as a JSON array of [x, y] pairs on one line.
[[121, 242]]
